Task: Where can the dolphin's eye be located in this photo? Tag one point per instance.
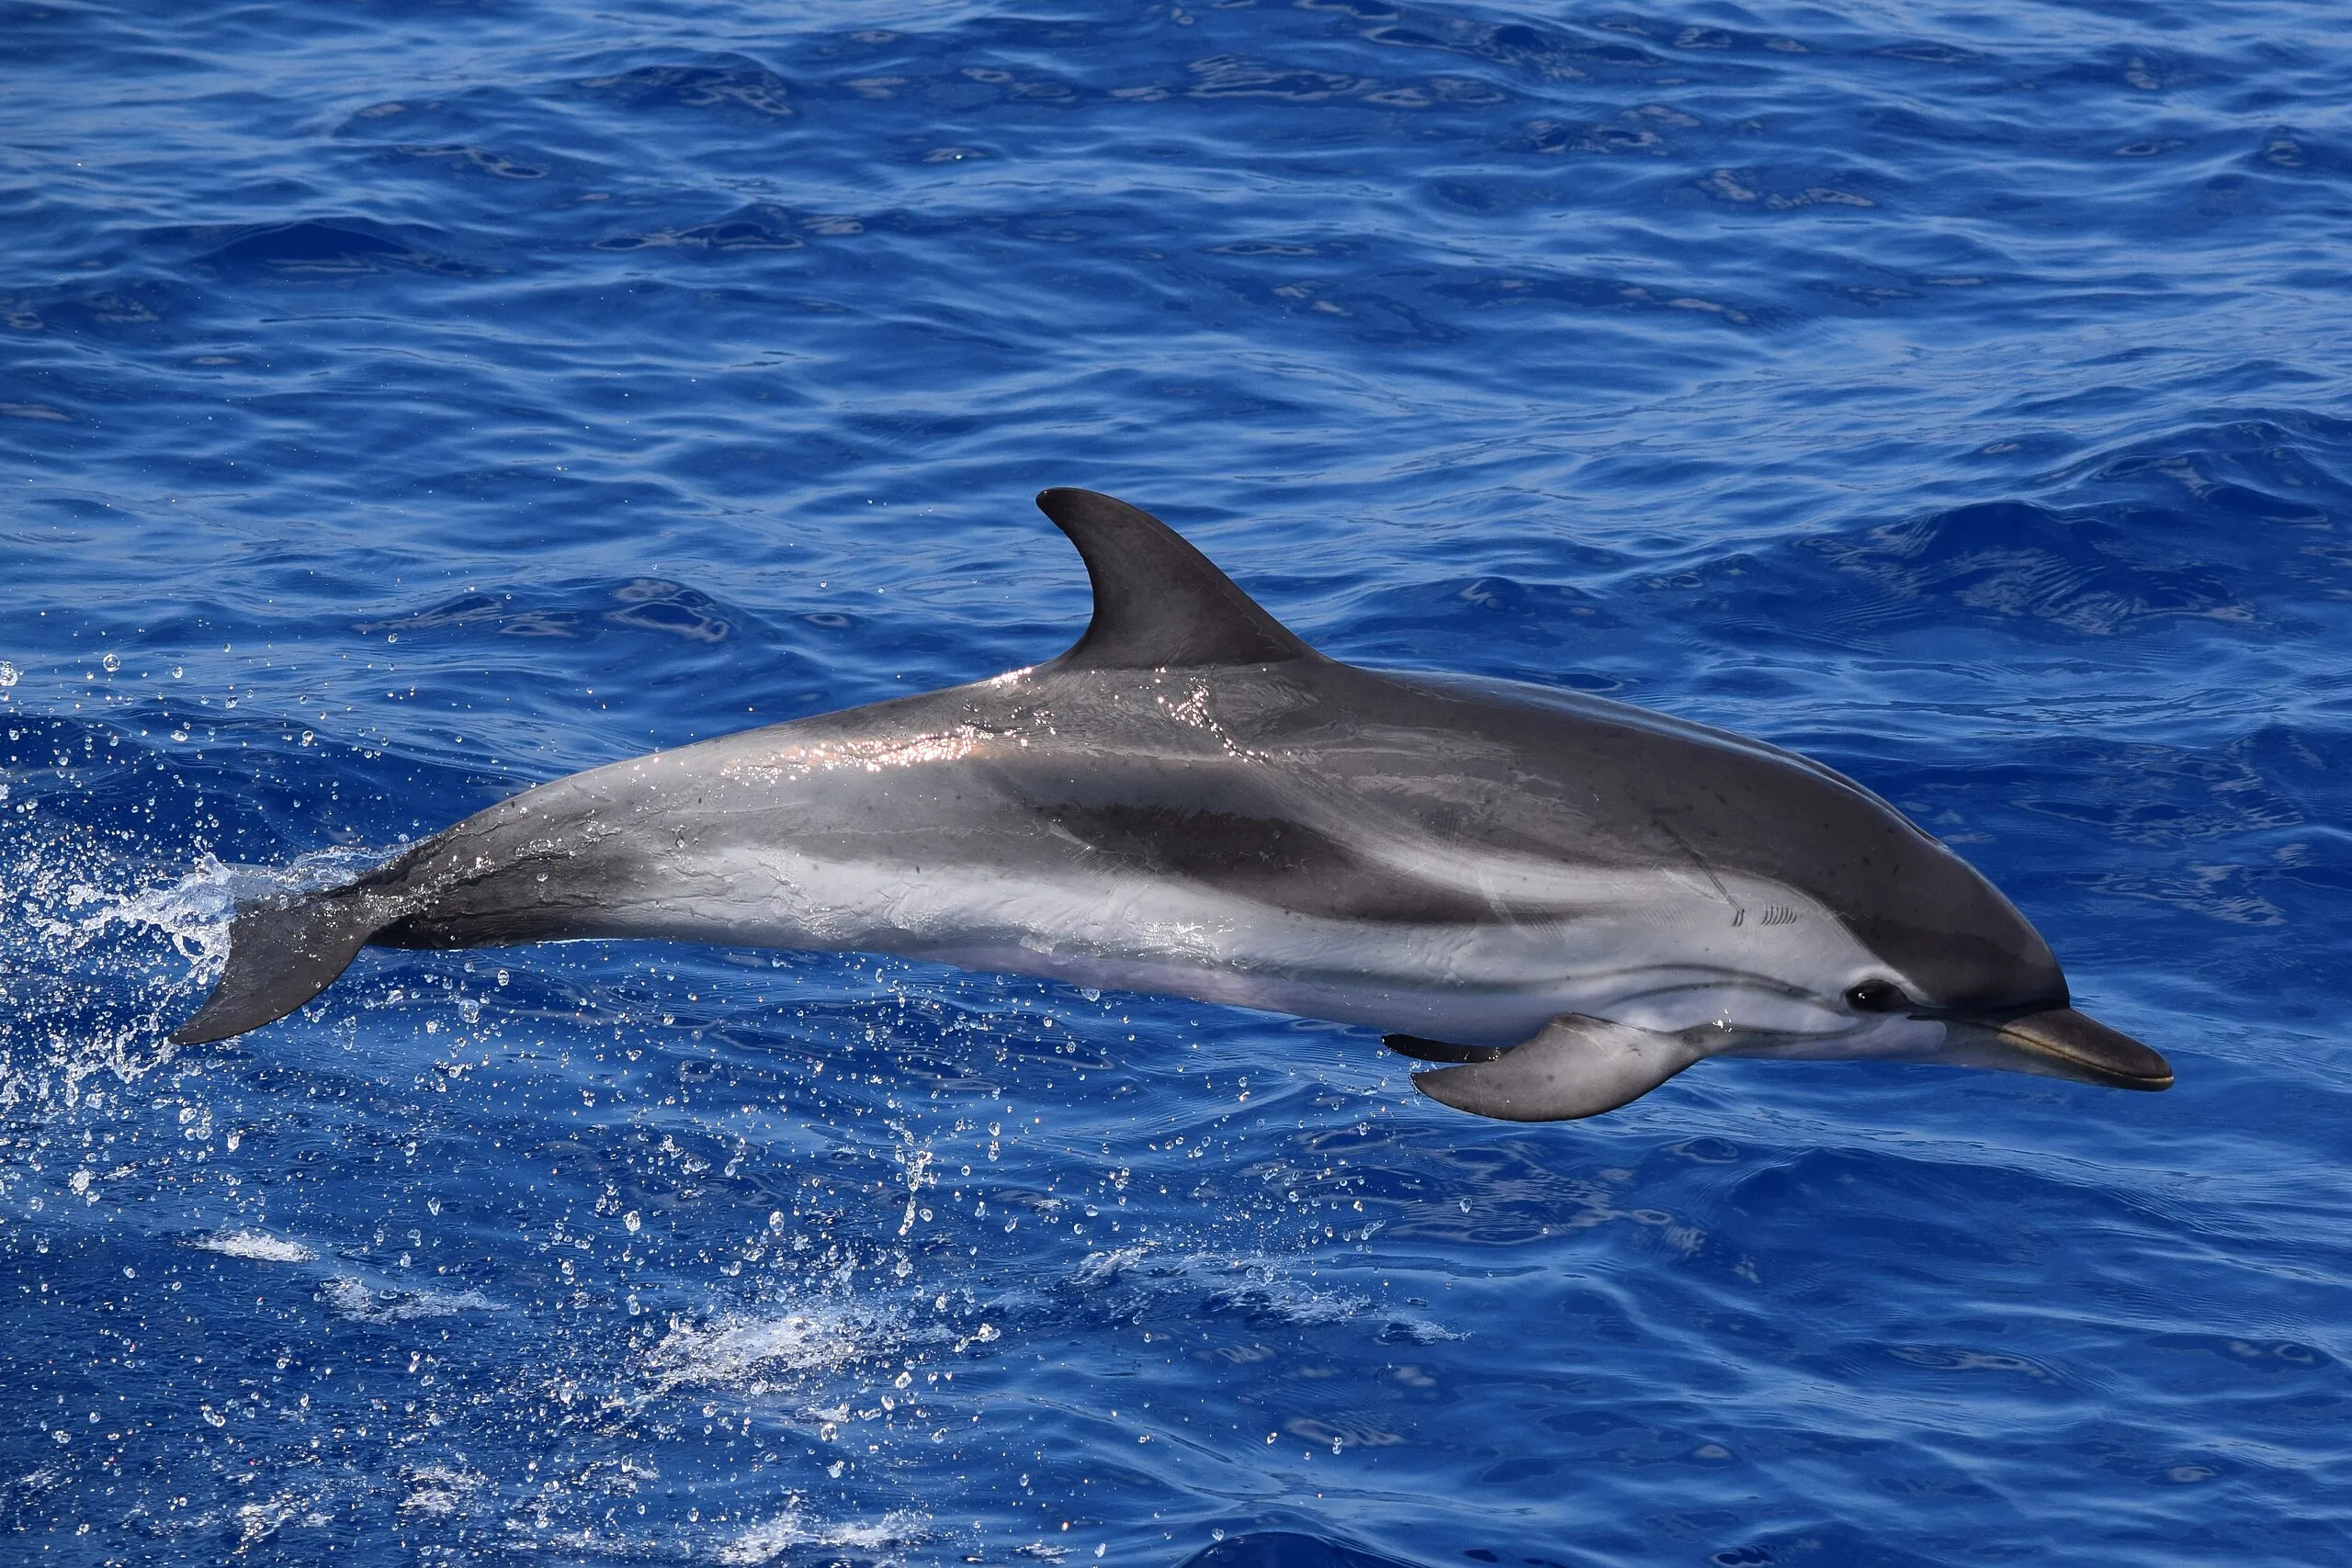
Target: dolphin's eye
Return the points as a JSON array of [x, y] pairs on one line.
[[1876, 996]]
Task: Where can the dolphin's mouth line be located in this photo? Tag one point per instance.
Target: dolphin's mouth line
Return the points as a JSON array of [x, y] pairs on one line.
[[2082, 1044], [2121, 1080]]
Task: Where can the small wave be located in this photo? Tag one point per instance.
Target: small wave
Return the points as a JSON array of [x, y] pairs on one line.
[[720, 81], [641, 604], [1286, 1548], [318, 249], [2086, 573]]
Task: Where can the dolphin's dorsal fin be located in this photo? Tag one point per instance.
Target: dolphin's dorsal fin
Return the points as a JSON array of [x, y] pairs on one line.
[[1159, 603]]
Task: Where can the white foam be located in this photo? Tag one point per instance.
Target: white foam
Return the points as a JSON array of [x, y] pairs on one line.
[[351, 1299], [259, 1246], [258, 1522], [1411, 1330], [760, 1355], [1102, 1268], [436, 1491], [770, 1538]]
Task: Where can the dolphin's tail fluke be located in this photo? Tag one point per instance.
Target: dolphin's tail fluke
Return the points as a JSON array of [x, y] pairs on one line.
[[283, 951]]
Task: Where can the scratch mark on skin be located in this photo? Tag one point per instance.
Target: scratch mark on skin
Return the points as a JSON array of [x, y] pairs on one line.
[[1738, 910]]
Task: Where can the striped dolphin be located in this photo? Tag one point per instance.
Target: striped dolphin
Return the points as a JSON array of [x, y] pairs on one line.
[[1566, 900]]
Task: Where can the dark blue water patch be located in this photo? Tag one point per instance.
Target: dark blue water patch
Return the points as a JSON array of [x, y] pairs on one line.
[[755, 227], [643, 603], [121, 307], [729, 82], [2281, 472], [1284, 1548], [2095, 575], [321, 248]]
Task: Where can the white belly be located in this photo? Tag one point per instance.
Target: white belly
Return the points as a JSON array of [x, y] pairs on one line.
[[1654, 949]]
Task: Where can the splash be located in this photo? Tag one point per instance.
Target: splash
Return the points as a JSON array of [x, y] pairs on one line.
[[91, 980], [94, 978]]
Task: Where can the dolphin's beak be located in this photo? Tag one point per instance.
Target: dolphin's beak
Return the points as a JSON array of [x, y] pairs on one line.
[[2064, 1044]]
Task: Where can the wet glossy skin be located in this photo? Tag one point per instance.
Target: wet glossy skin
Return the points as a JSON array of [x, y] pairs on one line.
[[1462, 860]]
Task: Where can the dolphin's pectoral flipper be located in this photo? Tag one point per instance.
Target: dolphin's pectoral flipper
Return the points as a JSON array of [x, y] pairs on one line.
[[1576, 1066], [1159, 603], [1422, 1049], [282, 952]]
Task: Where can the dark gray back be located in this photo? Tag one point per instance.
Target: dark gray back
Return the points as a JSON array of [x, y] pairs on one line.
[[1517, 768]]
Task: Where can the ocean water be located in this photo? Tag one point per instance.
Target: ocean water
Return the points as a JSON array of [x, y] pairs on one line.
[[405, 403]]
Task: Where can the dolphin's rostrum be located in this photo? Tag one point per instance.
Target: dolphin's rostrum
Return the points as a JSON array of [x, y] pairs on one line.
[[1567, 900]]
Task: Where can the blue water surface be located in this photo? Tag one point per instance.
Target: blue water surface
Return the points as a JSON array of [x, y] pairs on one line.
[[405, 403]]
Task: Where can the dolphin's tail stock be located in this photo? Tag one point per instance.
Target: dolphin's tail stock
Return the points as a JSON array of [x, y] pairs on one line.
[[282, 951]]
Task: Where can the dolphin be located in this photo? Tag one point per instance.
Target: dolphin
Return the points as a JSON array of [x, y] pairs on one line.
[[1560, 901]]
